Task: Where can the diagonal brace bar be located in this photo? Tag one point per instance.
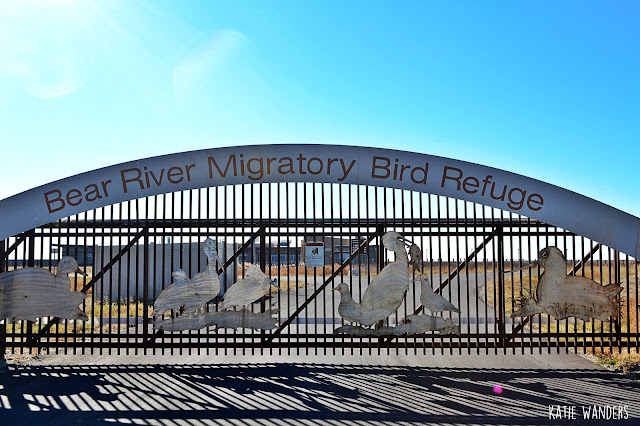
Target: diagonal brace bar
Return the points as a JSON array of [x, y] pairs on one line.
[[97, 276], [461, 266], [319, 290], [589, 255], [19, 240], [238, 252], [115, 259]]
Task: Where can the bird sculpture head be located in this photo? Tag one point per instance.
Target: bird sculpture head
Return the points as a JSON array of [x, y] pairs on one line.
[[274, 282], [210, 251], [68, 265], [394, 241], [252, 269], [423, 278], [547, 257], [342, 288], [551, 256]]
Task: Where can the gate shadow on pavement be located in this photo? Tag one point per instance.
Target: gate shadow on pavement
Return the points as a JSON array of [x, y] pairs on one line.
[[291, 393]]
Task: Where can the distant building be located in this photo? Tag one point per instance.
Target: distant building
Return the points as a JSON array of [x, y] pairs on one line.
[[82, 254], [336, 249]]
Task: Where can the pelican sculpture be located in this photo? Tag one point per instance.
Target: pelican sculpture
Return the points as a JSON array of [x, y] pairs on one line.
[[192, 293], [562, 296], [249, 289], [385, 292], [29, 293]]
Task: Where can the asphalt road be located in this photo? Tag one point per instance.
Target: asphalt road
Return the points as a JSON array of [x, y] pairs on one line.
[[315, 389]]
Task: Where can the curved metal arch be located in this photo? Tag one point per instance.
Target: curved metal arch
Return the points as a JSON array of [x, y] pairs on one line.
[[323, 164]]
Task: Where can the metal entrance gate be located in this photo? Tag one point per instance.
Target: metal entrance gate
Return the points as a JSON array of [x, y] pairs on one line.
[[128, 251]]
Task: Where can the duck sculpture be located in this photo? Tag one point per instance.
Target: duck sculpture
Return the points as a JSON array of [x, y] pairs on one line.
[[385, 292], [432, 300], [29, 293], [191, 294], [249, 289], [562, 296]]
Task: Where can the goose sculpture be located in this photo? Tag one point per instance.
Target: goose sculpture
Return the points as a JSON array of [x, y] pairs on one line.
[[249, 289], [386, 291], [29, 293], [192, 293], [432, 300], [562, 296]]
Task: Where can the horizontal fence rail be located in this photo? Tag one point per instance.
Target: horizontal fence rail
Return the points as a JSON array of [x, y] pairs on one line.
[[473, 255]]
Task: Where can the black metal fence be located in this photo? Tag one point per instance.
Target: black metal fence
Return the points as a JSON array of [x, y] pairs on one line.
[[128, 251]]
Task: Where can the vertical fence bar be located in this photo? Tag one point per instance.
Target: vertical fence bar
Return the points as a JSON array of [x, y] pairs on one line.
[[636, 306], [263, 266], [617, 320], [447, 214], [476, 279], [31, 263], [3, 325], [111, 244], [500, 280], [289, 214], [611, 324], [145, 287], [3, 260], [627, 314]]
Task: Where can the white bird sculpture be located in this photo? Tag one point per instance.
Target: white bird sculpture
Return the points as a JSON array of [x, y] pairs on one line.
[[249, 289], [29, 293], [432, 300], [562, 296], [191, 293], [386, 291]]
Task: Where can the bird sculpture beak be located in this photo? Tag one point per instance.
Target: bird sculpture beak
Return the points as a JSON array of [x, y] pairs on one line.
[[80, 272], [530, 265], [275, 284], [407, 242]]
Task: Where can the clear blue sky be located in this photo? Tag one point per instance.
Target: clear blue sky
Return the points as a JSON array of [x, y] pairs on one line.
[[546, 89]]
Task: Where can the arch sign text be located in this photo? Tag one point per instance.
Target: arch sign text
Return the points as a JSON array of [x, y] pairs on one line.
[[325, 164]]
